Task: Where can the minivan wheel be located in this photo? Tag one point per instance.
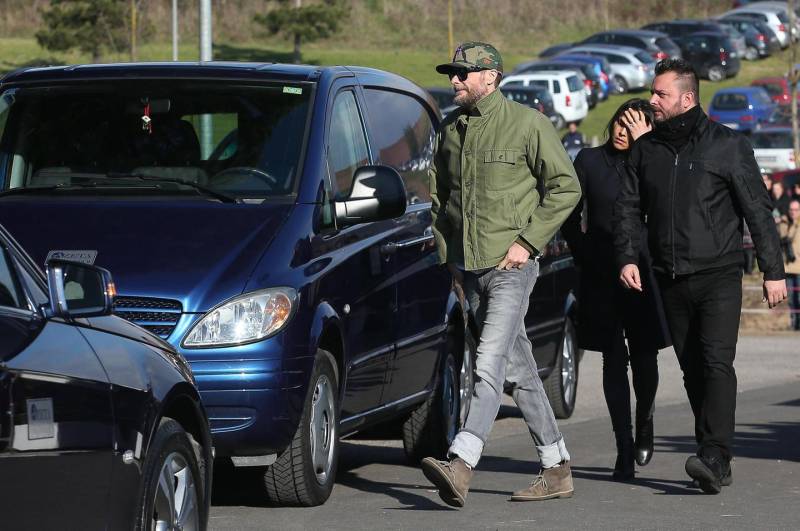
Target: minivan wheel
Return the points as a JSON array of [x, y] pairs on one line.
[[622, 85], [559, 122], [716, 74], [750, 53], [433, 425], [305, 472], [172, 493], [561, 385]]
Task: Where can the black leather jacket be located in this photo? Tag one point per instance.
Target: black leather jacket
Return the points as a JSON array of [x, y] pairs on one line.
[[693, 202]]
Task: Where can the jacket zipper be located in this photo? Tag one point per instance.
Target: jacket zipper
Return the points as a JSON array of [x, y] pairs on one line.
[[672, 213]]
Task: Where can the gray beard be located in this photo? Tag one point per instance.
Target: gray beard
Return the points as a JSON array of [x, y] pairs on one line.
[[470, 98]]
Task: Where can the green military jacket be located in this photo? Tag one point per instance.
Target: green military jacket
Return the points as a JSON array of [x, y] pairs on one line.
[[489, 165]]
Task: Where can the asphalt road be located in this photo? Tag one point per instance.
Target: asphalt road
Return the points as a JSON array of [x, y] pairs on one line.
[[377, 489]]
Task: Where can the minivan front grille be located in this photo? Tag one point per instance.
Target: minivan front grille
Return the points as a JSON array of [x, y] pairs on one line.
[[159, 316]]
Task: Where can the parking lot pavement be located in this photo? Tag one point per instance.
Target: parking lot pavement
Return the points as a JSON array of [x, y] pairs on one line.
[[377, 489]]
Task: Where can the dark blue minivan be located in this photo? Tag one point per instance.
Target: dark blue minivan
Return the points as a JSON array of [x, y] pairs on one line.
[[272, 222]]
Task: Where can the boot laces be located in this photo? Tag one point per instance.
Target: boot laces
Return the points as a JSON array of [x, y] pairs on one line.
[[539, 480]]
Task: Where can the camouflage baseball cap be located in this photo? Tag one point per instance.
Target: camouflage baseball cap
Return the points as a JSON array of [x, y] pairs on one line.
[[473, 56]]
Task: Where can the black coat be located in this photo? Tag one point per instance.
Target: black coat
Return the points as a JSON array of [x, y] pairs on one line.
[[694, 201], [604, 305]]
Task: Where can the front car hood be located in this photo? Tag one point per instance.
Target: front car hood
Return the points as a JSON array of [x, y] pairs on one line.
[[195, 252]]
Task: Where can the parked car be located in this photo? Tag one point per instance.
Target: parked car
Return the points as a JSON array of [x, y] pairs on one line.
[[556, 49], [774, 149], [760, 40], [655, 43], [444, 99], [591, 84], [777, 87], [678, 29], [777, 20], [569, 96], [741, 108], [538, 98], [631, 68], [788, 177], [272, 223], [600, 65], [711, 55], [101, 425]]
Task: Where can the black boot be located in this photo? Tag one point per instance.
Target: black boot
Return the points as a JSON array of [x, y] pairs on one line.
[[624, 467], [644, 441]]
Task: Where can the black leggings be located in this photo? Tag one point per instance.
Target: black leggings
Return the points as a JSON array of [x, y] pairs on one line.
[[644, 366]]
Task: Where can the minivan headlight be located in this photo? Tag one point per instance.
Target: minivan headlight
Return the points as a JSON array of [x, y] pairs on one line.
[[249, 317]]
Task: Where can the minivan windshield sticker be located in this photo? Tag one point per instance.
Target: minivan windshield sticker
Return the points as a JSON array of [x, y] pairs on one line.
[[292, 90], [40, 419], [85, 257]]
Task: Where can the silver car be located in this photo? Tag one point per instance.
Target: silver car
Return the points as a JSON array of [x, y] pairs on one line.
[[775, 17], [631, 68]]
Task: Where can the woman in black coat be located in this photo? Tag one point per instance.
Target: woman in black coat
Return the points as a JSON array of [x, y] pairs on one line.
[[608, 313]]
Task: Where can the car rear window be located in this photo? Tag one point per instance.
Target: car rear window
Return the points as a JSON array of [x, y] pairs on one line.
[[664, 44], [574, 84], [783, 17], [731, 101], [772, 140], [643, 57]]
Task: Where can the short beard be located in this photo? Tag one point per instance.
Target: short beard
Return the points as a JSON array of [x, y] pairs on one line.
[[671, 113], [471, 97]]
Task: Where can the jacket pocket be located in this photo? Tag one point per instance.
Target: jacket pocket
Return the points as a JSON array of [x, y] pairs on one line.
[[497, 168]]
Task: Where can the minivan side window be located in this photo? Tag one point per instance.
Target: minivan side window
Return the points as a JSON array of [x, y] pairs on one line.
[[556, 87], [347, 147], [404, 136], [10, 294]]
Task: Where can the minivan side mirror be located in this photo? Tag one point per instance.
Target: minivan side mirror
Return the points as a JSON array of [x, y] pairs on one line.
[[378, 193], [79, 290]]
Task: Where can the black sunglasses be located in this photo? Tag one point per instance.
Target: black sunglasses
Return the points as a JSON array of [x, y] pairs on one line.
[[462, 73]]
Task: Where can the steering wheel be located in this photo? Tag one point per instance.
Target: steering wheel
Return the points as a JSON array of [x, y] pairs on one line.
[[249, 170]]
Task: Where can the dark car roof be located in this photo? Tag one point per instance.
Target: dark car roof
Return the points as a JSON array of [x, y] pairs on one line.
[[636, 32], [210, 70]]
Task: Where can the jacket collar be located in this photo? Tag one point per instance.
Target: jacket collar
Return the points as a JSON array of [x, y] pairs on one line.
[[488, 104], [612, 156]]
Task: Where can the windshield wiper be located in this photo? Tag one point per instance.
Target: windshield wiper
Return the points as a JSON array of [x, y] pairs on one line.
[[51, 188], [199, 187]]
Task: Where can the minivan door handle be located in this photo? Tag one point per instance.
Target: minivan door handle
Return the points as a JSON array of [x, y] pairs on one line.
[[392, 247]]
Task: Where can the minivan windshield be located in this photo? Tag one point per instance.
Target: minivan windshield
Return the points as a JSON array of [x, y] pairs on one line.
[[222, 140]]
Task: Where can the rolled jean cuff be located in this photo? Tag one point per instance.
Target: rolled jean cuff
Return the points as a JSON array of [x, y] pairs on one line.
[[552, 454], [468, 447]]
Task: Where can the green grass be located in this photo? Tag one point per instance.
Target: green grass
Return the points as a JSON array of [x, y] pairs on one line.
[[415, 64]]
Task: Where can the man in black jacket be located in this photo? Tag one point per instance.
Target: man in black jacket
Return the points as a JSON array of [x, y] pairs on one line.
[[691, 181]]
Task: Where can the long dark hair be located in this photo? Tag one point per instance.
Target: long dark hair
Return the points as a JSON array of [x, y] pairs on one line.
[[636, 104]]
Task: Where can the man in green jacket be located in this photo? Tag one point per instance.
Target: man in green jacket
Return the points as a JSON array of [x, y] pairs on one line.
[[493, 157]]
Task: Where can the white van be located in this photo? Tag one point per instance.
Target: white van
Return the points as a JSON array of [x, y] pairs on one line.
[[569, 96]]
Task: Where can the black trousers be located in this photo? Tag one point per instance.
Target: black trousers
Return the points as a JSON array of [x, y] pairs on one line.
[[703, 311], [644, 370]]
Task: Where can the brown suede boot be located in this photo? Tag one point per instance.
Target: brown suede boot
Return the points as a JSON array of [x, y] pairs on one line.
[[451, 478], [553, 482]]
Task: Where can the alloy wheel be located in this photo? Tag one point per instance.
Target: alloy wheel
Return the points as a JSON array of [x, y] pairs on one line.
[[176, 505], [322, 429]]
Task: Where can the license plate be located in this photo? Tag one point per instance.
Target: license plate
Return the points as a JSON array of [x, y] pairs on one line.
[[732, 126], [733, 55], [767, 159]]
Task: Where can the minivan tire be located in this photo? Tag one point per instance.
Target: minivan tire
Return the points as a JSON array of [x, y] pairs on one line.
[[431, 427], [716, 74], [304, 474], [561, 385], [750, 53], [172, 491]]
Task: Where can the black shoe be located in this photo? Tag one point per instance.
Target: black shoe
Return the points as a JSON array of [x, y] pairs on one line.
[[724, 481], [644, 442], [709, 473], [624, 468]]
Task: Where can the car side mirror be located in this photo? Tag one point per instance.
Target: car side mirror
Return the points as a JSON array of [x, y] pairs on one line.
[[79, 290], [378, 193]]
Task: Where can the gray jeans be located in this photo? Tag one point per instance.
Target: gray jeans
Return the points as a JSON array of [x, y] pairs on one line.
[[499, 299]]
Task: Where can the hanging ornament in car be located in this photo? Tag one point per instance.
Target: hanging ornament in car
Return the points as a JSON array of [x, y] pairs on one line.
[[147, 122]]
